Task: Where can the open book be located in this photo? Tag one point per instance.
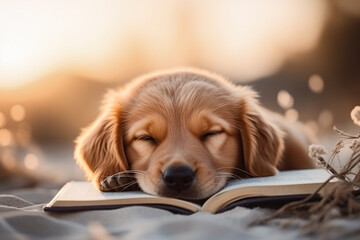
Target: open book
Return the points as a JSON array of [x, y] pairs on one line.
[[284, 187]]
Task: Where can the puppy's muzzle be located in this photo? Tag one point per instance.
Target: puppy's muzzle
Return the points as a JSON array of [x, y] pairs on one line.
[[178, 178]]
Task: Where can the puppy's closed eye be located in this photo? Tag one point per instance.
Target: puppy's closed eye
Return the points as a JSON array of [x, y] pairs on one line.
[[210, 134], [146, 138]]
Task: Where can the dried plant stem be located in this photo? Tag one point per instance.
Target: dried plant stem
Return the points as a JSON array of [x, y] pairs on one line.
[[339, 200], [293, 206]]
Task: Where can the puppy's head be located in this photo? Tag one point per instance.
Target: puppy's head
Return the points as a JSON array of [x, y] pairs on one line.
[[182, 134]]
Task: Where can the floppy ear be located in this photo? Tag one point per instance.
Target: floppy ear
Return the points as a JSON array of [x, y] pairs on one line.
[[262, 142], [99, 149]]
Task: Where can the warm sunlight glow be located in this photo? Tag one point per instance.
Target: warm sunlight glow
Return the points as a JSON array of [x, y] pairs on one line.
[[284, 99], [251, 39], [109, 40], [31, 161], [5, 137], [17, 113]]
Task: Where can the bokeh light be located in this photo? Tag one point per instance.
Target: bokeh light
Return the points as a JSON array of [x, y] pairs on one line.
[[31, 161], [17, 113], [284, 99], [316, 83], [355, 115], [5, 137]]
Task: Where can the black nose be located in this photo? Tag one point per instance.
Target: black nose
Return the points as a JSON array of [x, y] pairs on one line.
[[178, 178]]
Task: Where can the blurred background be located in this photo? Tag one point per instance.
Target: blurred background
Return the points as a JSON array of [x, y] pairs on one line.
[[58, 58]]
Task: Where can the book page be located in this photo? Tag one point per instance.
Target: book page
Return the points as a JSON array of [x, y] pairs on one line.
[[284, 183], [283, 178], [85, 191], [79, 193]]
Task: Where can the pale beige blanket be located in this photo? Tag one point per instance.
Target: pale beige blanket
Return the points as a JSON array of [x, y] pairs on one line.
[[22, 217]]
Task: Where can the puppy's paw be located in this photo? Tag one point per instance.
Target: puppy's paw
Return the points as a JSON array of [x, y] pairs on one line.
[[117, 182], [110, 184]]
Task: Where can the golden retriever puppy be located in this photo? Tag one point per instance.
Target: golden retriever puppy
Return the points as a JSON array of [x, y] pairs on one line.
[[185, 133]]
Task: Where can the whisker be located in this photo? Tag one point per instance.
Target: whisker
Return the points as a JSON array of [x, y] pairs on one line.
[[133, 171], [237, 169], [129, 185], [108, 178], [122, 186], [122, 174], [121, 177], [127, 173], [118, 179], [210, 184], [228, 175]]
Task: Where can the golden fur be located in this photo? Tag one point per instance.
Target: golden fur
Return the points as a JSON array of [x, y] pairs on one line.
[[190, 118]]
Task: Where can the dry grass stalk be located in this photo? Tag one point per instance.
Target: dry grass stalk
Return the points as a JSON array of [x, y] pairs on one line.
[[338, 201]]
